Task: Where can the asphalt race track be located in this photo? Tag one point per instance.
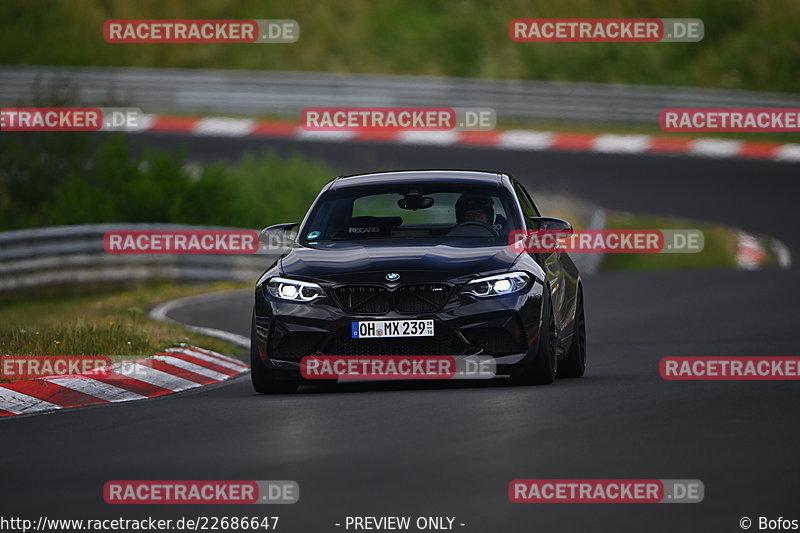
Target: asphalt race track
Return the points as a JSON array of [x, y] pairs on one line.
[[450, 449]]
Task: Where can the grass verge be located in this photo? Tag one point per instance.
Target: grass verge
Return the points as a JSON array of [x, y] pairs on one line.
[[98, 322], [719, 251]]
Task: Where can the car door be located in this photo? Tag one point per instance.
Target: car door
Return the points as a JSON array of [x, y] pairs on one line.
[[551, 263]]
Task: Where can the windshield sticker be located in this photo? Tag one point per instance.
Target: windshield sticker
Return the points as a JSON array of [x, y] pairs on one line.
[[366, 229]]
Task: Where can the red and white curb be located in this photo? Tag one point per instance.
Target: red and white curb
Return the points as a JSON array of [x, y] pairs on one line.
[[524, 140], [751, 254], [174, 370]]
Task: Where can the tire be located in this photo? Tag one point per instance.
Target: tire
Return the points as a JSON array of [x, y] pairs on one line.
[[574, 364], [542, 369], [264, 381]]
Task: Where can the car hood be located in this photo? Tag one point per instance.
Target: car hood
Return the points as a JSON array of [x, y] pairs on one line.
[[353, 262]]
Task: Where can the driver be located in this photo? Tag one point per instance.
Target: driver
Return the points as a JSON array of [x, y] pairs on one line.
[[474, 208]]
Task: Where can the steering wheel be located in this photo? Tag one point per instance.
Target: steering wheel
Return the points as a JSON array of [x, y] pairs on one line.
[[474, 223]]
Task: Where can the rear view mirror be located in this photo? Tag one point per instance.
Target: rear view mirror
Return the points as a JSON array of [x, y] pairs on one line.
[[414, 200]]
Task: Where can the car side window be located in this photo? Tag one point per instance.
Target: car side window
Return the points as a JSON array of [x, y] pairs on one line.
[[525, 202]]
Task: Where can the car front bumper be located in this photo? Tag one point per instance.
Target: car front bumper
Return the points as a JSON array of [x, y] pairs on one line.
[[504, 327]]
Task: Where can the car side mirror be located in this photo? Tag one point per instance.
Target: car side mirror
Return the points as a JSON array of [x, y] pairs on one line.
[[276, 234], [562, 228]]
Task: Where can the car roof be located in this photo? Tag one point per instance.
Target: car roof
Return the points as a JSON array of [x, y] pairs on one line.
[[428, 176]]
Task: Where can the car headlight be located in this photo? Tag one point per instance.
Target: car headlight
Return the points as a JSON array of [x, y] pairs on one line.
[[294, 290], [497, 285]]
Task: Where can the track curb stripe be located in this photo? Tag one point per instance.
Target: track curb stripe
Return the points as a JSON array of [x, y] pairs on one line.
[[174, 370], [96, 388], [135, 386], [18, 403], [504, 139], [220, 365], [183, 364], [153, 376], [233, 364], [49, 392], [178, 372]]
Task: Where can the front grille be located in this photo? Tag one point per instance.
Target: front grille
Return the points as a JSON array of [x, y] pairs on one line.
[[410, 298], [421, 297], [443, 343], [364, 299]]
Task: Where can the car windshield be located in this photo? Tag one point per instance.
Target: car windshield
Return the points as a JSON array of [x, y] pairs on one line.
[[438, 212]]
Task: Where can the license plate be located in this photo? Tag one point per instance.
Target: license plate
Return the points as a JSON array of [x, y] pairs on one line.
[[392, 328]]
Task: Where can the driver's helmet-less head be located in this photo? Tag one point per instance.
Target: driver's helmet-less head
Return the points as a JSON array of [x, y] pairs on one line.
[[474, 208]]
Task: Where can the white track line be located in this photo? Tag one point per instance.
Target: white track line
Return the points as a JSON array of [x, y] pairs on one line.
[[160, 312]]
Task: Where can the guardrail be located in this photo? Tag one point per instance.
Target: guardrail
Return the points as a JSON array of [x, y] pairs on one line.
[[75, 254], [253, 93]]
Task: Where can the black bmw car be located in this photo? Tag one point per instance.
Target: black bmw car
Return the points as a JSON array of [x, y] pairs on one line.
[[427, 248]]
